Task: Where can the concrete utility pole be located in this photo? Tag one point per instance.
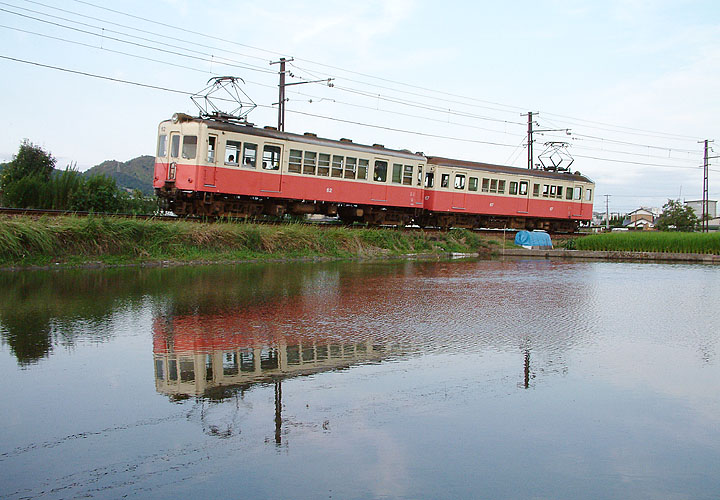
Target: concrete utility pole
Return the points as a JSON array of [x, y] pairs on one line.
[[530, 138], [607, 212], [281, 90], [704, 223]]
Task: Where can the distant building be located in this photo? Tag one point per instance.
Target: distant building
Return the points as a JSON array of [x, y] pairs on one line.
[[640, 219], [696, 205]]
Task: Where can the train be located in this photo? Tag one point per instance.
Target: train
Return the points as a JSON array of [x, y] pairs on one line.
[[222, 168]]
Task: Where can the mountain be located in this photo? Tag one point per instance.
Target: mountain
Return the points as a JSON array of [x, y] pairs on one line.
[[132, 174]]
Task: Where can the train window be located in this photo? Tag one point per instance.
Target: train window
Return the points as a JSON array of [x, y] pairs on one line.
[[397, 173], [493, 186], [485, 185], [429, 180], [407, 175], [578, 193], [175, 146], [232, 152], [546, 191], [293, 355], [337, 166], [324, 164], [172, 369], [569, 193], [501, 187], [459, 181], [350, 165], [473, 184], [523, 188], [250, 155], [271, 157], [162, 146], [380, 173], [362, 168], [247, 360], [553, 191], [445, 180], [295, 161], [536, 189], [420, 177], [513, 187], [230, 364], [189, 148], [309, 162], [559, 192], [159, 369], [588, 194], [212, 140]]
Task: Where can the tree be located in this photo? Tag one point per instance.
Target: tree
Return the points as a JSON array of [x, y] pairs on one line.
[[31, 160], [677, 217]]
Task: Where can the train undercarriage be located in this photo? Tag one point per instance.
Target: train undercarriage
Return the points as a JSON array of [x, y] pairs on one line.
[[206, 204]]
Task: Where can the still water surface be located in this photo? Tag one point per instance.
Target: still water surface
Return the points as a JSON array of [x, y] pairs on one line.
[[416, 380]]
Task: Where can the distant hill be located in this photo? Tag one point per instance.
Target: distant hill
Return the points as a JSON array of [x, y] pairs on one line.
[[132, 174]]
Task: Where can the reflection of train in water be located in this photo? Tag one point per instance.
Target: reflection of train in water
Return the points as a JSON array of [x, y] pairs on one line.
[[189, 362], [221, 168]]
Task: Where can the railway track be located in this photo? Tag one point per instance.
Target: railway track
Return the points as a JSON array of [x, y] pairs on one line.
[[507, 234]]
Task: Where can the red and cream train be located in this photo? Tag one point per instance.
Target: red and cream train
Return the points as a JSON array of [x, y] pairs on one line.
[[220, 168]]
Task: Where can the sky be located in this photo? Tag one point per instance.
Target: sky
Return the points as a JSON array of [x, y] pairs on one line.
[[632, 87]]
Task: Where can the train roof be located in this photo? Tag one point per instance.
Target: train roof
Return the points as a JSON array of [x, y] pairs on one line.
[[473, 165], [308, 138]]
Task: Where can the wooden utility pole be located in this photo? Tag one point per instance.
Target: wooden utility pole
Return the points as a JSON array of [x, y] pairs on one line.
[[530, 139]]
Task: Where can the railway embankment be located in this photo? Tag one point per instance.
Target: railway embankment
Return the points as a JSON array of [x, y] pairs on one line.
[[104, 241]]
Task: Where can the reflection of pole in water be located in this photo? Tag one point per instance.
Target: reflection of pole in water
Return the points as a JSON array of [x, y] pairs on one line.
[[278, 411], [527, 368]]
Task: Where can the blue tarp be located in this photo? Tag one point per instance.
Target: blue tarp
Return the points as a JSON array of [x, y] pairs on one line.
[[533, 239]]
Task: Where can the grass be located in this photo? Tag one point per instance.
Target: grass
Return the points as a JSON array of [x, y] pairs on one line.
[[652, 241], [41, 241]]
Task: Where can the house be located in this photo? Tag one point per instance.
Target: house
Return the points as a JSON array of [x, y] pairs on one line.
[[696, 205], [640, 219]]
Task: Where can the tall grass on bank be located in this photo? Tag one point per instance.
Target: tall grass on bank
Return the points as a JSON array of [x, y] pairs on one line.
[[28, 240], [652, 241]]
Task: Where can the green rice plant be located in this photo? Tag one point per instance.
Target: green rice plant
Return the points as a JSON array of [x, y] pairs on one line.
[[652, 241]]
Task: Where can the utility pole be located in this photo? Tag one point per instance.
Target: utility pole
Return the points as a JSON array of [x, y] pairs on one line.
[[281, 90], [705, 223], [607, 212], [530, 138]]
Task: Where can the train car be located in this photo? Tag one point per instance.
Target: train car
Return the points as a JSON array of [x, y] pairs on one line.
[[214, 167], [470, 194], [221, 168]]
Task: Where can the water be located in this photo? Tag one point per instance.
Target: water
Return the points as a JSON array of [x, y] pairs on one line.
[[488, 379]]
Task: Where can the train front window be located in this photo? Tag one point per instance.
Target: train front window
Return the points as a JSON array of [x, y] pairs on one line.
[[232, 152], [459, 181], [189, 148], [250, 155], [429, 180], [175, 146], [380, 172], [162, 146]]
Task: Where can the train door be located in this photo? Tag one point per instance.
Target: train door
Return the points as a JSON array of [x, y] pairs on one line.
[[272, 173], [175, 138], [211, 169], [458, 187], [523, 206], [379, 186]]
